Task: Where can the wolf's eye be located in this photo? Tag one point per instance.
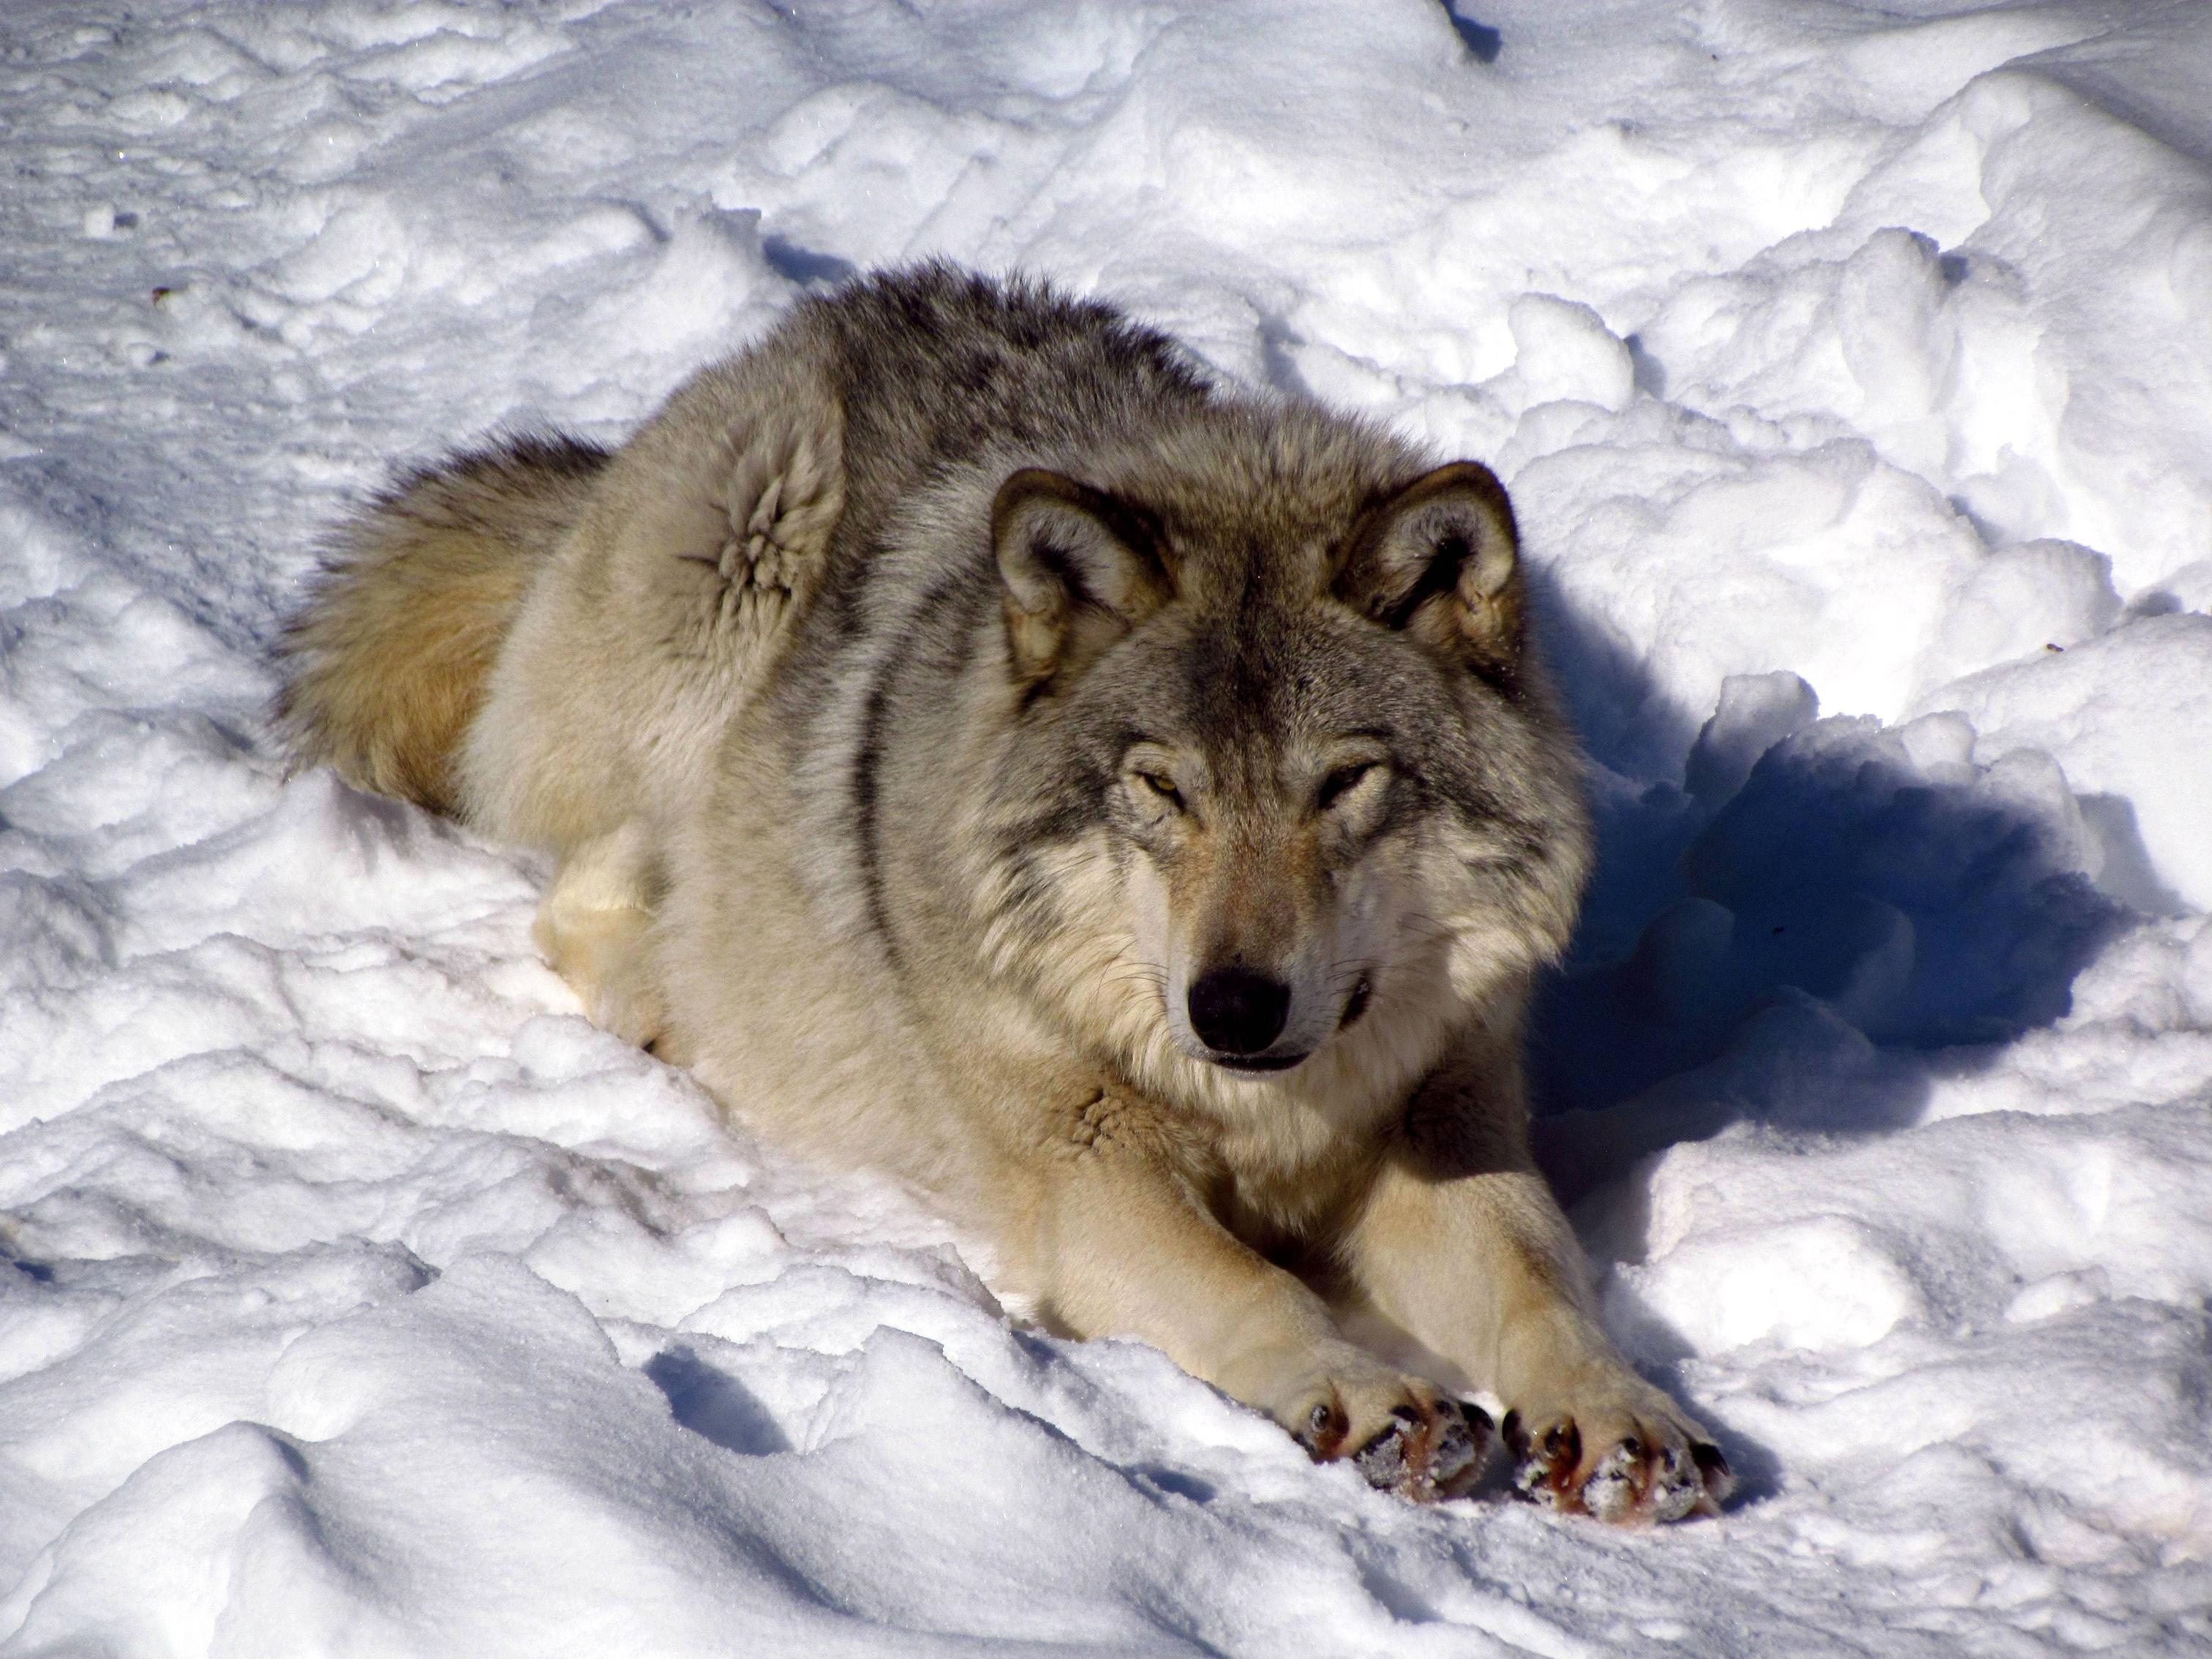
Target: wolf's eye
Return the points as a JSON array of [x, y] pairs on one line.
[[1162, 786], [1337, 783]]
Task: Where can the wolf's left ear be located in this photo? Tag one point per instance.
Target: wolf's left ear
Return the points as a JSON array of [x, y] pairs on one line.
[[1441, 560], [1080, 570]]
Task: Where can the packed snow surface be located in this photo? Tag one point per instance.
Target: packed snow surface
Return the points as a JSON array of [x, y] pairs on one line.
[[1852, 369]]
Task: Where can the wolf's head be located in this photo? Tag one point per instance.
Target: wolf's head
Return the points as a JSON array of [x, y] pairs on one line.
[[1284, 768]]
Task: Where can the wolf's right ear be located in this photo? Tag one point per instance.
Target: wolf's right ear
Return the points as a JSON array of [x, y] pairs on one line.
[[1079, 568]]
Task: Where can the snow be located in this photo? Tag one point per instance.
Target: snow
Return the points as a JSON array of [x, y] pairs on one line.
[[1852, 371]]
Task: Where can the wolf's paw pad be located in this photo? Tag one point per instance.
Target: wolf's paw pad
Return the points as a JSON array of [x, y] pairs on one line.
[[1427, 1450], [1642, 1477], [1427, 1459]]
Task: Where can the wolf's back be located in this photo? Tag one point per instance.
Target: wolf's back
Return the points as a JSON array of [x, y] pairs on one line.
[[386, 665]]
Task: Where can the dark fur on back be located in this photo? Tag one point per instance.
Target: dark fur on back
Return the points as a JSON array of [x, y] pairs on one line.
[[939, 365]]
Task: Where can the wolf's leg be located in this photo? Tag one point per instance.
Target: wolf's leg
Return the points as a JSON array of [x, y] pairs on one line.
[[1462, 1245], [1128, 1250], [592, 925]]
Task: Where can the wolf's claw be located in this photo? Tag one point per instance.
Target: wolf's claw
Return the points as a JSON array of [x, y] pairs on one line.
[[1720, 1480], [1637, 1480]]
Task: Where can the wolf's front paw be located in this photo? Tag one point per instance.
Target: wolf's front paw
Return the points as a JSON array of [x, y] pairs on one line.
[[1631, 1463], [1401, 1434]]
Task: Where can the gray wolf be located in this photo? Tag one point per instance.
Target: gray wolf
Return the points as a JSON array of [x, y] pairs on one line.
[[976, 743]]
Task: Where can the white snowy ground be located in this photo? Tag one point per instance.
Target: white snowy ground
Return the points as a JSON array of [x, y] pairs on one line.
[[356, 1296]]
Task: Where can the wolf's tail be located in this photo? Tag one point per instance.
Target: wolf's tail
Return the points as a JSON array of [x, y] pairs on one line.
[[385, 667]]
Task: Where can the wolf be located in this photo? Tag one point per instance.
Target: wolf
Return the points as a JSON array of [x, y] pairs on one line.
[[978, 742]]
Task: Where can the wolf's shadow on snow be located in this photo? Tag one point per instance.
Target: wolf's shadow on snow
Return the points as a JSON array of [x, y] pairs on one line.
[[1776, 936]]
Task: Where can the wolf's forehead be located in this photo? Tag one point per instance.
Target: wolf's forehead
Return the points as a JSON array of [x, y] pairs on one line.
[[1261, 529], [1272, 675], [1269, 497]]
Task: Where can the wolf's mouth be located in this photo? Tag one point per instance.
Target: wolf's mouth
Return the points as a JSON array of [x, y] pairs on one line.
[[1257, 1063]]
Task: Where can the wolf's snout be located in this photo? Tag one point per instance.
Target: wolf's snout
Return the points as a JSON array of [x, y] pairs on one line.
[[1238, 1013]]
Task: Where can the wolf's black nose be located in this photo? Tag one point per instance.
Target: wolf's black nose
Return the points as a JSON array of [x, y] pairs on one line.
[[1238, 1013]]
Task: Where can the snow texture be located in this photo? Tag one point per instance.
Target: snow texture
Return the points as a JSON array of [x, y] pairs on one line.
[[1852, 369]]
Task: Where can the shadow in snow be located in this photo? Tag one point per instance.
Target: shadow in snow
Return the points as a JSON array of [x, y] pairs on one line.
[[1277, 364], [1648, 373], [804, 265], [1775, 938], [711, 1403], [1483, 42], [1181, 1482]]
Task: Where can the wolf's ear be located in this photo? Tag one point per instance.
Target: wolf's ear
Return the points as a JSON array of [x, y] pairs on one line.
[[1080, 570], [1441, 560]]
